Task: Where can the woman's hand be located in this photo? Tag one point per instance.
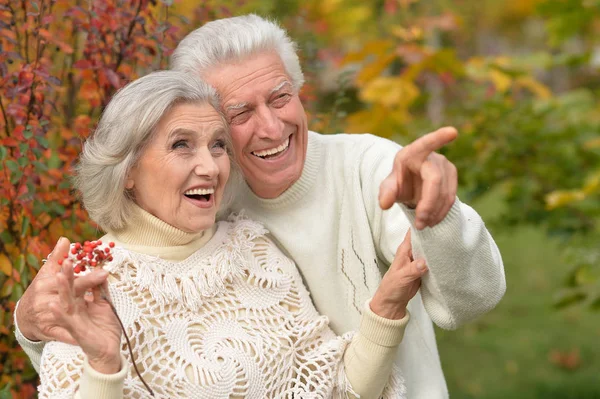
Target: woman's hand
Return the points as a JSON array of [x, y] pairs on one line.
[[400, 283], [35, 320], [91, 323]]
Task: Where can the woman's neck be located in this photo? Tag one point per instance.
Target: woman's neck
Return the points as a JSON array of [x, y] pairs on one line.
[[149, 235]]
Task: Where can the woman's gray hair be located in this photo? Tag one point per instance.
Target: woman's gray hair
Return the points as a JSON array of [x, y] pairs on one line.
[[128, 123], [232, 39]]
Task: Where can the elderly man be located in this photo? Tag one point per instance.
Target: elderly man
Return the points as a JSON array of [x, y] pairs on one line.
[[339, 205]]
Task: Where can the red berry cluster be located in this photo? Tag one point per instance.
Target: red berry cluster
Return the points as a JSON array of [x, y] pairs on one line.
[[89, 255]]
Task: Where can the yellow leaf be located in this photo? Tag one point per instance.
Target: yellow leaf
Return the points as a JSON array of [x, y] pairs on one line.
[[592, 184], [374, 69], [537, 88], [5, 265], [592, 144], [371, 48], [501, 80], [390, 92], [557, 199]]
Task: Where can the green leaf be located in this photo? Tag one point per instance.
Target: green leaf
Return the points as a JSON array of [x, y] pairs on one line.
[[64, 185], [25, 223], [28, 134], [12, 165], [3, 153], [43, 141], [6, 237], [33, 261], [569, 298], [44, 122], [23, 162], [54, 161], [5, 392], [40, 166]]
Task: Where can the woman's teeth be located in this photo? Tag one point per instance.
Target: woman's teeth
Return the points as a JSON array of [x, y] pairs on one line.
[[200, 191], [273, 151]]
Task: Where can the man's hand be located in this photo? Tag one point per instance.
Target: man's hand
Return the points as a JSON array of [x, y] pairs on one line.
[[34, 317], [400, 284], [423, 179]]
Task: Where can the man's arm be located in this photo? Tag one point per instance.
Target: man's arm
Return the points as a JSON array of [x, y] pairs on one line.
[[466, 275], [34, 321]]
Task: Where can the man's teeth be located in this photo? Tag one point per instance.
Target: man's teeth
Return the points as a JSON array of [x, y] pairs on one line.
[[272, 151], [200, 191]]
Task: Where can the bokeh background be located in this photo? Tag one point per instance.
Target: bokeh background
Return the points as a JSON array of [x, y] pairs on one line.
[[520, 79]]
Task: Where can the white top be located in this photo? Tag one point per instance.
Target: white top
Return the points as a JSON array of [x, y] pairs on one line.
[[231, 319], [331, 224]]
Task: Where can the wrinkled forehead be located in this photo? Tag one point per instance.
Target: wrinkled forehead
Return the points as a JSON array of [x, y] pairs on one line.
[[248, 80]]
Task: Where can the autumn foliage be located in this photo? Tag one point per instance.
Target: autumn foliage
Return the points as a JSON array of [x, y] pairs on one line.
[[60, 61], [528, 113]]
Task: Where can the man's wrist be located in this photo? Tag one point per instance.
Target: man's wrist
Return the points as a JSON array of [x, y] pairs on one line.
[[388, 310], [22, 327]]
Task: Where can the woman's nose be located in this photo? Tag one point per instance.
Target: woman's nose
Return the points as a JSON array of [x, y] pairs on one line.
[[206, 165]]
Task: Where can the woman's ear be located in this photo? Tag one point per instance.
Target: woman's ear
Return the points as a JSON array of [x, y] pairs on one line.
[[129, 183]]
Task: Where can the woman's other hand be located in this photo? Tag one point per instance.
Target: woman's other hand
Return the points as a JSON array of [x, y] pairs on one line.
[[400, 283], [91, 323]]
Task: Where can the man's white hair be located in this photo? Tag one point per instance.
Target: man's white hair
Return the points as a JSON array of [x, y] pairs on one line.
[[127, 125], [233, 39]]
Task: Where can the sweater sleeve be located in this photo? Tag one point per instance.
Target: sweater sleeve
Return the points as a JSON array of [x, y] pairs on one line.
[[369, 358], [66, 373], [95, 385], [32, 349], [466, 274]]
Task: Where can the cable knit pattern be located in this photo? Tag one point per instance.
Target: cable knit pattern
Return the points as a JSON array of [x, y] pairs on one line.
[[231, 320]]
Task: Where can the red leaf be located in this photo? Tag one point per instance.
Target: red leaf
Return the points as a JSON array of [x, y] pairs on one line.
[[82, 64]]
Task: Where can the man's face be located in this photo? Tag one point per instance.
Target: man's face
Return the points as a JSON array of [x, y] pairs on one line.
[[268, 123]]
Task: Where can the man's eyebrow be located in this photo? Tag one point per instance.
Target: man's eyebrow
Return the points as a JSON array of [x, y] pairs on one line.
[[280, 85], [236, 106]]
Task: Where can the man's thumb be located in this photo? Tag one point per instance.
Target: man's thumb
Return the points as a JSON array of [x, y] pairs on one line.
[[388, 191]]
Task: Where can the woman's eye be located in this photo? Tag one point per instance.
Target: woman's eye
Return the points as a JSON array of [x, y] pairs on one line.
[[219, 145], [180, 144]]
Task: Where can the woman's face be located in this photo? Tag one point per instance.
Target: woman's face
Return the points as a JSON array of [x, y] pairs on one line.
[[181, 174]]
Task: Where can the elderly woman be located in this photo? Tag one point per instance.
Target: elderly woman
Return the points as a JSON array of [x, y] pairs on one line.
[[211, 310]]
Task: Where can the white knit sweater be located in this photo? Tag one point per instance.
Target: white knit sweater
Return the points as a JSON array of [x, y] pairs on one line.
[[331, 224], [232, 319]]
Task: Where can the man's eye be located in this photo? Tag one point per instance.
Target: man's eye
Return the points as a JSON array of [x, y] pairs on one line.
[[180, 144], [240, 117], [281, 99]]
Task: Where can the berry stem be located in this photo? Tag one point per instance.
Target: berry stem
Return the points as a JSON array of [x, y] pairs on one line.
[[105, 297]]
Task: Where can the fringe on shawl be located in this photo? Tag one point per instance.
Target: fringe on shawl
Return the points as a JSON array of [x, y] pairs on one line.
[[227, 261]]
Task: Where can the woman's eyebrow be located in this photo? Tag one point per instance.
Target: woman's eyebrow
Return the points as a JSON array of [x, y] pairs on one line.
[[180, 132]]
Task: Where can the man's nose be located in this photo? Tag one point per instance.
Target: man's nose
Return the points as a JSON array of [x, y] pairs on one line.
[[269, 124]]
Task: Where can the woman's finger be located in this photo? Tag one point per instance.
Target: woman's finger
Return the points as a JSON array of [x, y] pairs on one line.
[[65, 291], [89, 281]]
